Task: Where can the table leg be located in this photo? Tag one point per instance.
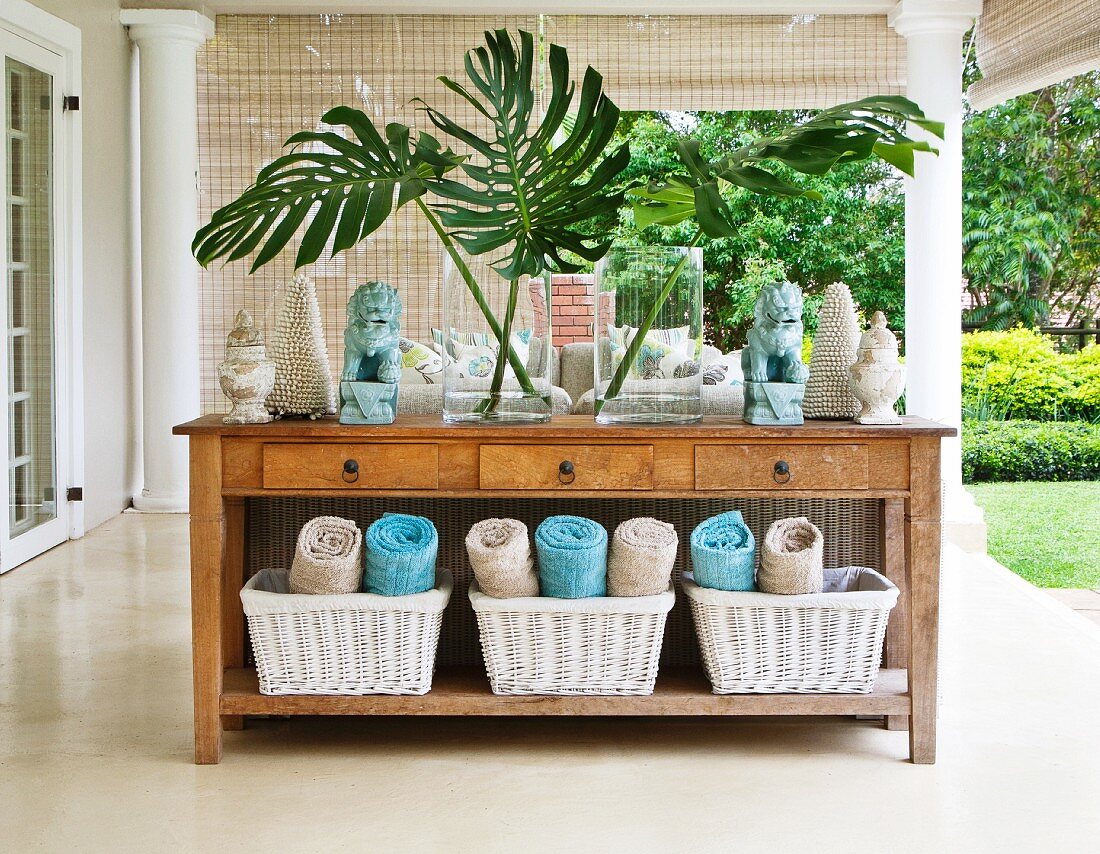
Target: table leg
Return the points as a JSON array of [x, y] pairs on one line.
[[233, 580], [892, 549], [922, 565], [207, 550]]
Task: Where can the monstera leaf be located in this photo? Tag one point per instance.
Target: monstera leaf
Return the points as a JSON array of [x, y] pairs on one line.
[[353, 186], [841, 134], [537, 185]]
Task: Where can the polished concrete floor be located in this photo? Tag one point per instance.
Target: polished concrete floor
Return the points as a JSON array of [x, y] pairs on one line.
[[95, 744]]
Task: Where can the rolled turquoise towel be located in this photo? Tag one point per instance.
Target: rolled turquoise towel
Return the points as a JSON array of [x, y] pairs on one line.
[[400, 555], [572, 557], [722, 553]]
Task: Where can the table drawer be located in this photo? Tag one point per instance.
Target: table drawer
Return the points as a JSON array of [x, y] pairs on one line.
[[781, 467], [566, 467], [372, 466]]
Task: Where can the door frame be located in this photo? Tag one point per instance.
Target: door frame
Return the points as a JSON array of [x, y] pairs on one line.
[[61, 38]]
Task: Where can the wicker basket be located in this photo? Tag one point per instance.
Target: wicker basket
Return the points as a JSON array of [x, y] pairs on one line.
[[540, 645], [356, 643], [765, 643], [852, 529]]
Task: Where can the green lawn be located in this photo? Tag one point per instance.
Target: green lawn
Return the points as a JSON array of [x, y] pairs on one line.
[[1047, 533]]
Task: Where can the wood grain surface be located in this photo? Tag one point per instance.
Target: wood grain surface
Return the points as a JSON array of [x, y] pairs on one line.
[[594, 467]]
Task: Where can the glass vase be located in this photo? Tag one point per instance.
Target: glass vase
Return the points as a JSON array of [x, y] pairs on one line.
[[478, 306], [649, 335]]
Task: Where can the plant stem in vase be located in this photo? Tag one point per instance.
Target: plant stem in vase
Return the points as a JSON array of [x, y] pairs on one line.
[[673, 395], [456, 258], [479, 379]]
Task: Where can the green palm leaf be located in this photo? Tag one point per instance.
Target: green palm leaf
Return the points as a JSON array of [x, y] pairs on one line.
[[531, 193], [840, 134], [349, 184]]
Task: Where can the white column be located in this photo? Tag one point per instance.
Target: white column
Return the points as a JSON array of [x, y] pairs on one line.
[[933, 32], [168, 41]]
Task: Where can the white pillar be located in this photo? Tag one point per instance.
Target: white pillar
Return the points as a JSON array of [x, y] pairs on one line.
[[933, 32], [168, 41]]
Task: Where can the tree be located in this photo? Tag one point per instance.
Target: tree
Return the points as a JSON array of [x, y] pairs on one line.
[[1031, 215], [1031, 211], [856, 233]]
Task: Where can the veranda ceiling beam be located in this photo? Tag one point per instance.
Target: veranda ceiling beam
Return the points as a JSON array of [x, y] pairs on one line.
[[550, 7]]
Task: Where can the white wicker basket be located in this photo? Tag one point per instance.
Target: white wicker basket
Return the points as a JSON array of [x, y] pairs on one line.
[[765, 643], [356, 643], [541, 645]]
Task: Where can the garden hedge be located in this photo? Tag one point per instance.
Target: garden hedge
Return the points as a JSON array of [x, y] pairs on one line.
[[1018, 374], [1030, 450]]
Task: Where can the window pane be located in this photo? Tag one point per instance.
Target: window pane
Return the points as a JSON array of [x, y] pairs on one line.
[[16, 95], [16, 301], [16, 170], [30, 284]]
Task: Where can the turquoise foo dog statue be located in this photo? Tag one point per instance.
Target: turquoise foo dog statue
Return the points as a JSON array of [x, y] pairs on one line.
[[775, 376], [372, 357]]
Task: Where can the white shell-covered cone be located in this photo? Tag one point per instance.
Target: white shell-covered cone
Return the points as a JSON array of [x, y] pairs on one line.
[[303, 378], [828, 394]]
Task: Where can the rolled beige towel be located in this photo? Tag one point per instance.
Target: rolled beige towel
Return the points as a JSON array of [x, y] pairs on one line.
[[790, 560], [640, 561], [329, 557], [500, 554]]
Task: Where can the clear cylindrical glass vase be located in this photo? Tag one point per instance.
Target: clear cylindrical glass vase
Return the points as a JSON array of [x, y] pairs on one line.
[[479, 308], [649, 335]]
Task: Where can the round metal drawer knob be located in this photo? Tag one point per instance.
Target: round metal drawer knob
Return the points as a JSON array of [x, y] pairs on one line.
[[566, 474], [350, 474], [781, 472]]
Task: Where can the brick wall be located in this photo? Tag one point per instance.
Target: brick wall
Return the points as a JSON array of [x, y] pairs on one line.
[[572, 306]]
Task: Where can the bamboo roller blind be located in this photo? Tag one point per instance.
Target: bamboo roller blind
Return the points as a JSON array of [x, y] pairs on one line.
[[263, 78], [1024, 45]]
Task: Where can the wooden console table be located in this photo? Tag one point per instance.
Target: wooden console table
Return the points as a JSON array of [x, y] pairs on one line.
[[422, 457]]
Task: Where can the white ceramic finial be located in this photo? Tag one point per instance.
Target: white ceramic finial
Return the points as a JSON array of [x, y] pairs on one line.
[[877, 378], [246, 375]]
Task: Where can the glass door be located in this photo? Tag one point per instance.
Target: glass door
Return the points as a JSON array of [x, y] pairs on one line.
[[32, 487]]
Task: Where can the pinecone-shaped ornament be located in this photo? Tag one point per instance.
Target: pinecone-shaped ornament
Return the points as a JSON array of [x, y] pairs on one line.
[[828, 394], [303, 378]]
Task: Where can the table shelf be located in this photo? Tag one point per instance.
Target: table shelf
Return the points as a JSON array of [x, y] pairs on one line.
[[465, 691]]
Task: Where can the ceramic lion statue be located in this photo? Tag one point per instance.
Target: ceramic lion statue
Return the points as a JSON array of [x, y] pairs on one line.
[[371, 351], [774, 351]]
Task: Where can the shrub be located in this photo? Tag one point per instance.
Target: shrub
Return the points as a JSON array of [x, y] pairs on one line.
[[1018, 374], [1030, 450], [1086, 371]]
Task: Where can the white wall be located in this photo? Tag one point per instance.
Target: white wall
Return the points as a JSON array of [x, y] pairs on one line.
[[111, 376]]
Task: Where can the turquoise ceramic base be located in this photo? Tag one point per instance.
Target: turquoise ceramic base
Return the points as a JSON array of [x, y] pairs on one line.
[[774, 403], [368, 403]]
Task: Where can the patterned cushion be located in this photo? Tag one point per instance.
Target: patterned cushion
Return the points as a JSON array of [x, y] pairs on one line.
[[473, 361], [724, 370], [664, 354], [487, 349], [420, 364]]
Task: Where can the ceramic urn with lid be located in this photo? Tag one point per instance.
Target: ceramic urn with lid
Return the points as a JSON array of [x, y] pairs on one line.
[[877, 378], [247, 375]]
